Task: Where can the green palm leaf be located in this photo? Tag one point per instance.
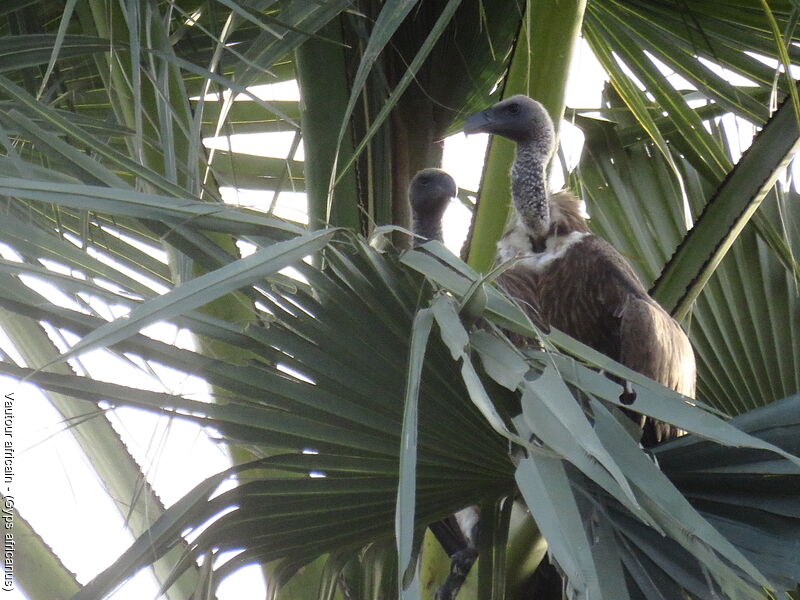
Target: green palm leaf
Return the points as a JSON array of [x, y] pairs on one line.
[[102, 113]]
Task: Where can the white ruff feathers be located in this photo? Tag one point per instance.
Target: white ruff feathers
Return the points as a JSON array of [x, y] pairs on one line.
[[516, 244]]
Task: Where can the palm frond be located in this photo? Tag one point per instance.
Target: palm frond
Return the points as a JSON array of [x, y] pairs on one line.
[[292, 401]]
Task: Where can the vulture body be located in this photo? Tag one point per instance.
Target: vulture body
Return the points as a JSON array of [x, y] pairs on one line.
[[571, 279], [429, 194], [581, 285]]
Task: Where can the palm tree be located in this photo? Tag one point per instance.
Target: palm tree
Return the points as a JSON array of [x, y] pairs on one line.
[[392, 369]]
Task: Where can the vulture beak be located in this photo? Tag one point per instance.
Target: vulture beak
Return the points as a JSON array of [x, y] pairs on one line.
[[478, 123]]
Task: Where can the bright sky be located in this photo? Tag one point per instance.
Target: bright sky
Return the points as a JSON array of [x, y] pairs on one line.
[[56, 489]]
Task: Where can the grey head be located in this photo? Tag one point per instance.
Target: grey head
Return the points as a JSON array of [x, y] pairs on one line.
[[518, 118], [430, 193]]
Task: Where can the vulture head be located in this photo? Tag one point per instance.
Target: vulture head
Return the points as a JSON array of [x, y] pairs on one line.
[[526, 122], [518, 118], [430, 193]]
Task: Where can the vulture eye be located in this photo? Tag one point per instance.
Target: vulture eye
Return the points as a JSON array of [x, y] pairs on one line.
[[424, 180], [513, 108]]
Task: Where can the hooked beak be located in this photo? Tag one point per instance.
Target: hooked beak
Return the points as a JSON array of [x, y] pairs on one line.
[[478, 123]]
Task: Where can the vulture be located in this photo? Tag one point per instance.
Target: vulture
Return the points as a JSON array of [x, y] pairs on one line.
[[569, 277], [429, 194]]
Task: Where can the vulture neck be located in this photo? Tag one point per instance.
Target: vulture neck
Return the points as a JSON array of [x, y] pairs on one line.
[[529, 187], [428, 227]]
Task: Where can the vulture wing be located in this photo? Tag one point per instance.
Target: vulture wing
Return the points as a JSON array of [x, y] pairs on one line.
[[653, 344], [589, 291], [650, 341]]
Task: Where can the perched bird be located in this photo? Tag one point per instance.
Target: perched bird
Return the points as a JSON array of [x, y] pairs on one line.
[[575, 280], [429, 194]]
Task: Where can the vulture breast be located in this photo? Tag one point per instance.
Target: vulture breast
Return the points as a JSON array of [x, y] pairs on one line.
[[581, 285]]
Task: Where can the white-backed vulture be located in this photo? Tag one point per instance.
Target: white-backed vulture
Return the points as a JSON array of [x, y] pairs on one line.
[[575, 280], [429, 194]]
